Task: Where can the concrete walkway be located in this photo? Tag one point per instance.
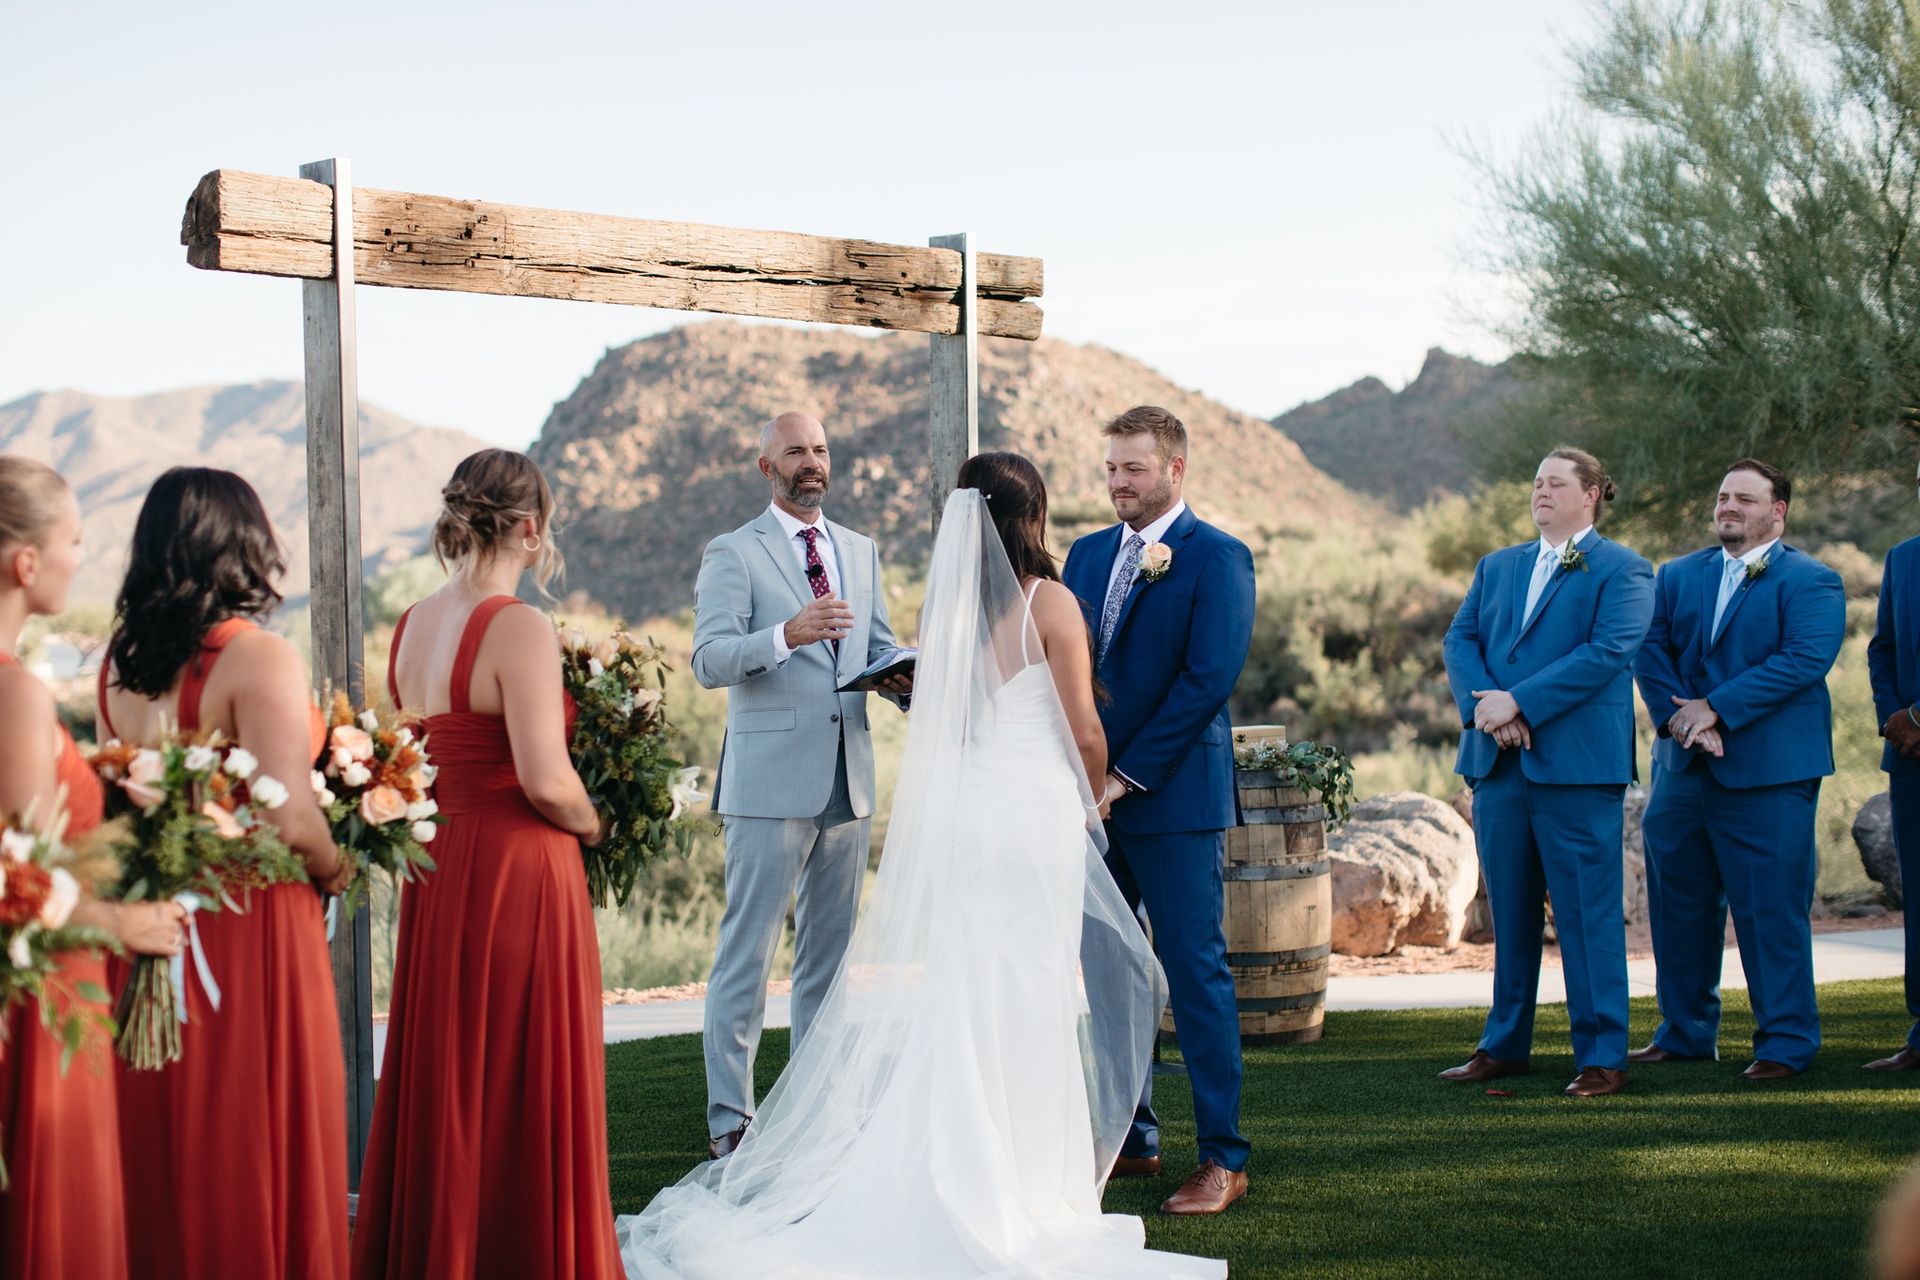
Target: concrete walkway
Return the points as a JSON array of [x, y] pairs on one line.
[[1837, 957]]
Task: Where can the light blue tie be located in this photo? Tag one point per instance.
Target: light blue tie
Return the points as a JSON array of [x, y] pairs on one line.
[[1117, 593], [1542, 571], [1729, 583]]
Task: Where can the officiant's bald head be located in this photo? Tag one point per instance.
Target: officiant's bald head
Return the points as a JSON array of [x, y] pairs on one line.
[[793, 458]]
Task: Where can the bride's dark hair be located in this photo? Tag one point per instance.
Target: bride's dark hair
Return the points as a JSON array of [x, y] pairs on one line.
[[203, 552], [1016, 498]]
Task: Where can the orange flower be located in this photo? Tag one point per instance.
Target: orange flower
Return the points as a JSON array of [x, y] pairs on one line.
[[381, 805]]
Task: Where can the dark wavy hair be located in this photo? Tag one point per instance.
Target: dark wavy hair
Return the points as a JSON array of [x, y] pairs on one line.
[[1016, 498], [203, 551]]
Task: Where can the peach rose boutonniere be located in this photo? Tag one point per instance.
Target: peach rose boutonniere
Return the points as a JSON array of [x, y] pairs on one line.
[[1155, 561]]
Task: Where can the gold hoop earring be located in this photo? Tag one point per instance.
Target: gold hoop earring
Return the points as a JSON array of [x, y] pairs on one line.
[[525, 541]]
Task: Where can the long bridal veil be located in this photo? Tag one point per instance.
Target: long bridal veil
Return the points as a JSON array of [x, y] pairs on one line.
[[965, 1087]]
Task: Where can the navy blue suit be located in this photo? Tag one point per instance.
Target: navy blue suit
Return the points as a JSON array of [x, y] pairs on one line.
[[1548, 819], [1176, 653], [1738, 832], [1893, 662]]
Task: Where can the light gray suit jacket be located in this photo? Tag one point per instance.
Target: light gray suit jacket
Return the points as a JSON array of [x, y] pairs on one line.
[[784, 720]]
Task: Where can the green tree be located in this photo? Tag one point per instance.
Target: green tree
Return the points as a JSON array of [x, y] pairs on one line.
[[1717, 248]]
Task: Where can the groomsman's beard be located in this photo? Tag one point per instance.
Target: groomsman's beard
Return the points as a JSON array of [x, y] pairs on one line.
[[1742, 537]]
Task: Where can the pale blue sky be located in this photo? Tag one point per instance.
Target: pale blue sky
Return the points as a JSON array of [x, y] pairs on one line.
[[1263, 201]]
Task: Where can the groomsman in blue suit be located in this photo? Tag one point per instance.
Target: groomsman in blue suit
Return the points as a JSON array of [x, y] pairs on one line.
[[1734, 673], [1169, 599], [1893, 662], [1540, 658]]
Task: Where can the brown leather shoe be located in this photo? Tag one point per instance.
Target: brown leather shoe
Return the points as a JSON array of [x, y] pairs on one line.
[[1908, 1059], [1654, 1053], [1136, 1167], [1596, 1082], [1208, 1189], [1764, 1069], [1480, 1067], [721, 1147]]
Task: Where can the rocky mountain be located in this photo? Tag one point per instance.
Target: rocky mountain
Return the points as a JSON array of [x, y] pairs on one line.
[[111, 449], [653, 452], [1409, 445]]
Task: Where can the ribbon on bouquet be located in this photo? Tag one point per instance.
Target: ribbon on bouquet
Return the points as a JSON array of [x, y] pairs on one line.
[[177, 965], [333, 915]]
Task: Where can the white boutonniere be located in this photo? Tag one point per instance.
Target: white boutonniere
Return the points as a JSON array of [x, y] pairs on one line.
[[1155, 561], [1755, 569], [1572, 557]]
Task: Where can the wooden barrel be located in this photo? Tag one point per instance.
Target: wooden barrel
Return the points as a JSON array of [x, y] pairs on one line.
[[1279, 912]]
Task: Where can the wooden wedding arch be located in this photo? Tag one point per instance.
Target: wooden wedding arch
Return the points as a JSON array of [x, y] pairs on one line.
[[321, 230]]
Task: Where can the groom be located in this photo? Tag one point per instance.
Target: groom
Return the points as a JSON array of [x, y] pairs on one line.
[[788, 609], [1170, 601]]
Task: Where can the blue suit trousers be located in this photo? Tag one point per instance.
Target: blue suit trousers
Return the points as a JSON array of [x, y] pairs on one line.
[[1904, 790], [1538, 840], [1751, 849], [1177, 876]]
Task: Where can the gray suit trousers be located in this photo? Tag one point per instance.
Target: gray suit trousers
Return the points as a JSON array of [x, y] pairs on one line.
[[767, 858]]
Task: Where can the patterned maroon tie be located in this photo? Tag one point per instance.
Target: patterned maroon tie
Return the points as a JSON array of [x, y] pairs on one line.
[[816, 571]]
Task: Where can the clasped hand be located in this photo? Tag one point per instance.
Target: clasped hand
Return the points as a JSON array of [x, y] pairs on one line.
[[1696, 726], [1901, 731], [1496, 713]]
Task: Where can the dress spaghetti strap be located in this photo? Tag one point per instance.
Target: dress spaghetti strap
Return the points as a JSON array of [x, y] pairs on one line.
[[1029, 624], [100, 697], [459, 684], [393, 658]]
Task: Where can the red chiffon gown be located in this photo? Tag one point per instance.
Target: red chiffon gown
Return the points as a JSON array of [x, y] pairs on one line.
[[61, 1219], [235, 1157], [488, 1153]]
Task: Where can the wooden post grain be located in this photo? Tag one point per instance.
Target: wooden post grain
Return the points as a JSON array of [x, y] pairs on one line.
[[953, 400], [333, 540]]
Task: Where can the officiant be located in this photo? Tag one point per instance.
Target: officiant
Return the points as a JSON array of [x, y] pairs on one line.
[[789, 611]]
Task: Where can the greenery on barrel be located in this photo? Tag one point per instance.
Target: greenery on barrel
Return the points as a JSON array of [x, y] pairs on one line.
[[622, 751], [1307, 766]]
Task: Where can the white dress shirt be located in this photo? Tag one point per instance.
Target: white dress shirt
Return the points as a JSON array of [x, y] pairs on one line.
[[1148, 536], [1731, 582], [792, 526], [1545, 562]]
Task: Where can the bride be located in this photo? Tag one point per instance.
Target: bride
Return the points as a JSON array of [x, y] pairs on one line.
[[964, 1090]]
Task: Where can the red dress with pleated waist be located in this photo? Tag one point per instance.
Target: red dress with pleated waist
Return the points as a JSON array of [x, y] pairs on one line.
[[488, 1155], [235, 1157], [61, 1217]]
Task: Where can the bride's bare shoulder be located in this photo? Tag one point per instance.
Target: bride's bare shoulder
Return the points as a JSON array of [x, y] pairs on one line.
[[1054, 606]]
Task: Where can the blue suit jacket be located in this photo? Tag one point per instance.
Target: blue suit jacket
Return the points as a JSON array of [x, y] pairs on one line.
[[1569, 666], [1176, 654], [1766, 674], [1893, 655]]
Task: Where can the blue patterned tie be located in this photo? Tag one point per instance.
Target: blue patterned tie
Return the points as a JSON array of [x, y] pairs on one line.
[[1117, 594]]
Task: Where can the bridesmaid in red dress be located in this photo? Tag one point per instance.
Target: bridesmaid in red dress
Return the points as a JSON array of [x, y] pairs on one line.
[[235, 1157], [62, 1215], [488, 1153]]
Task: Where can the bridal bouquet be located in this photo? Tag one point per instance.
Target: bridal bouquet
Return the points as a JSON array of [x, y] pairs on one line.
[[621, 751], [194, 834], [374, 786], [42, 879]]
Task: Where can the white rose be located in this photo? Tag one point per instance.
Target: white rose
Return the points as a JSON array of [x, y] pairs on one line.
[[356, 775], [318, 781], [18, 951], [324, 797], [201, 759], [405, 735], [268, 793], [369, 720], [62, 898], [685, 790], [340, 759], [241, 763], [429, 772], [17, 845], [422, 810], [424, 832], [595, 667]]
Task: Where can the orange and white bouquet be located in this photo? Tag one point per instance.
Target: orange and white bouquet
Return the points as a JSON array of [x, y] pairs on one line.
[[375, 784], [194, 832], [42, 879]]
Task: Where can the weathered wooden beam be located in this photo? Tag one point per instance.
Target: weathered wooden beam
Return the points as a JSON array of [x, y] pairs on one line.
[[953, 396], [269, 225]]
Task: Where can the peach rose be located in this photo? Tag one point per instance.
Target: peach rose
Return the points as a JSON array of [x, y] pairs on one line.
[[144, 772], [356, 742], [606, 651], [223, 822], [382, 805]]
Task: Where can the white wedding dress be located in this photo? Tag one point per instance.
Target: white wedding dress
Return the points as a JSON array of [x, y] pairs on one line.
[[964, 1090]]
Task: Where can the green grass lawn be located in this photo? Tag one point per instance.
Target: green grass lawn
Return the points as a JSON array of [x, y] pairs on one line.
[[1365, 1165]]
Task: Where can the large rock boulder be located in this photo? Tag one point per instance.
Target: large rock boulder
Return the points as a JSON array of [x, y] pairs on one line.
[[1404, 871], [1873, 835]]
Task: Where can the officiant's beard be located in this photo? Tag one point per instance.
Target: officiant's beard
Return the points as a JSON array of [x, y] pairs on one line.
[[793, 487]]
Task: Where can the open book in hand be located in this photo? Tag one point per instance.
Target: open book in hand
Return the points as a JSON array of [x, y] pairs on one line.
[[894, 662]]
